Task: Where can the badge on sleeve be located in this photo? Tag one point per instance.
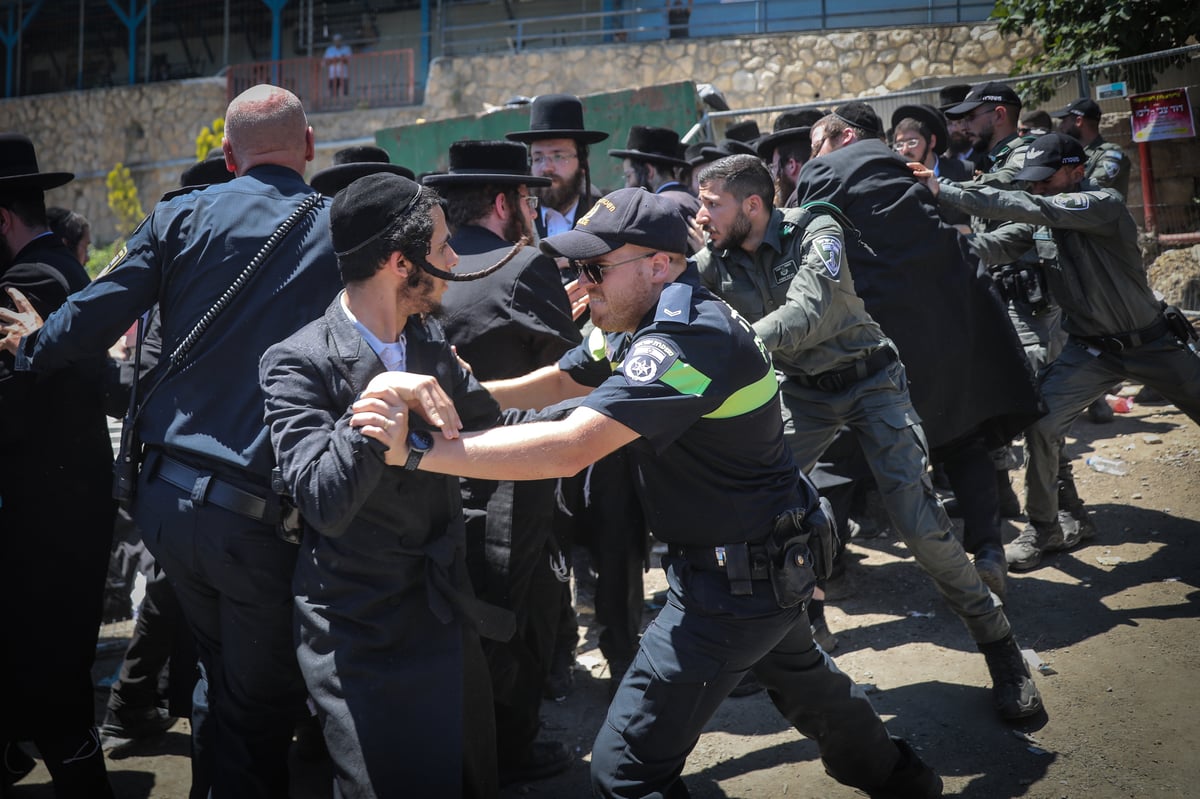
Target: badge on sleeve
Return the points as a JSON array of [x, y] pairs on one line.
[[1111, 166], [650, 357], [1074, 201], [829, 250]]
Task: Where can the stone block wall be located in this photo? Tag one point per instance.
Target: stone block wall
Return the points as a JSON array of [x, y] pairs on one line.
[[752, 71]]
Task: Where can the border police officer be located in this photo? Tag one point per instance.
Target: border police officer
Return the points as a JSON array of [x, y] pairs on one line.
[[1115, 324]]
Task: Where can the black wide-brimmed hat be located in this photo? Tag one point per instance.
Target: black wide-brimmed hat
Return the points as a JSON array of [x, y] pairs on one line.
[[727, 147], [656, 145], [931, 117], [556, 116], [480, 162], [767, 144], [746, 131], [19, 166], [694, 153], [804, 118], [211, 170], [352, 163]]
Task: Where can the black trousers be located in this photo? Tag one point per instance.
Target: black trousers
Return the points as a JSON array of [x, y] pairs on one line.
[[233, 579]]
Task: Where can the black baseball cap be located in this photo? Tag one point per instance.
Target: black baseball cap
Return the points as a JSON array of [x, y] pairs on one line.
[[1046, 154], [1083, 107], [626, 216], [983, 93]]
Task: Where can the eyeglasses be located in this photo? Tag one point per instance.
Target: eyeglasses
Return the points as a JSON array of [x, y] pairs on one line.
[[906, 144], [595, 271], [530, 200], [818, 144], [558, 158]]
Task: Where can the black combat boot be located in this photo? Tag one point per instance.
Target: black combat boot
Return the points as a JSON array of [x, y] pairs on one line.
[[910, 779], [1013, 692]]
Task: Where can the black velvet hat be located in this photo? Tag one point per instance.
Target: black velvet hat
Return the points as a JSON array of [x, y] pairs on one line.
[[207, 172], [656, 145], [556, 116], [352, 163], [626, 216], [19, 167], [767, 144], [804, 118], [480, 162], [727, 147], [931, 117], [952, 95], [695, 155], [368, 208], [860, 115], [745, 132]]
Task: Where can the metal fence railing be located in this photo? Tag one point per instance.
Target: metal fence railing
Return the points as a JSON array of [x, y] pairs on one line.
[[371, 80], [707, 19], [1169, 220]]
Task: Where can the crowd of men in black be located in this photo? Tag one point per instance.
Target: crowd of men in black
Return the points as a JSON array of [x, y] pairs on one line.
[[297, 410]]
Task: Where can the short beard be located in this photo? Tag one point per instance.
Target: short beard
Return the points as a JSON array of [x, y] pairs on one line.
[[563, 196], [421, 282], [737, 232], [784, 186]]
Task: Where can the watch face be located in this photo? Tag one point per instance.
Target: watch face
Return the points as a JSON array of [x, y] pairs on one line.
[[420, 440]]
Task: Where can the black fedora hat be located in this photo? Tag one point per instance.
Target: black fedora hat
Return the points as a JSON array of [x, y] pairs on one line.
[[746, 131], [656, 145], [556, 116], [727, 147], [352, 163], [479, 162], [19, 167], [767, 144], [931, 117], [694, 153], [210, 170]]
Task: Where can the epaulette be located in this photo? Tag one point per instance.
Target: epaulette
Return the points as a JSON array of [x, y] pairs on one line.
[[674, 304], [171, 195], [848, 228]]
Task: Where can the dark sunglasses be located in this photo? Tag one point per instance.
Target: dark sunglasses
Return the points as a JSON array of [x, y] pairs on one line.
[[595, 271]]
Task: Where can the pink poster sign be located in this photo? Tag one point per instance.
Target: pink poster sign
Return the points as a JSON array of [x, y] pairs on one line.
[[1162, 115]]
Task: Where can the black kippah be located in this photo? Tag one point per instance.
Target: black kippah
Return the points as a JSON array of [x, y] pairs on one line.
[[368, 208]]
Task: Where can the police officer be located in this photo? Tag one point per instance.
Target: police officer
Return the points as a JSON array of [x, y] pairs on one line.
[[1107, 166], [786, 271], [507, 324], [687, 383], [204, 500], [1115, 324]]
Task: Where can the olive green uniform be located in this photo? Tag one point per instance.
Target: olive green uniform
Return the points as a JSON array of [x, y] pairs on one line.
[[838, 368]]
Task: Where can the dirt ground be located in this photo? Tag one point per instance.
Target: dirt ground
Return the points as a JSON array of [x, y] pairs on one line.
[[1115, 623]]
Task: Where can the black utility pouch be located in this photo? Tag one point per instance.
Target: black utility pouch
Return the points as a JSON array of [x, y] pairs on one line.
[[125, 468], [1179, 325], [290, 527], [791, 560]]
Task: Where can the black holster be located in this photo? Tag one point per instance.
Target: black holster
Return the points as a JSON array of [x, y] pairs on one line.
[[800, 547], [1179, 325], [125, 468]]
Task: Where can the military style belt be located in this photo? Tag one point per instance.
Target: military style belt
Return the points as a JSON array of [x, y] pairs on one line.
[[846, 376], [741, 562], [1119, 342], [206, 488]]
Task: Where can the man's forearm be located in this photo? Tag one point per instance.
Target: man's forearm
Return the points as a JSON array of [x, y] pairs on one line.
[[536, 390]]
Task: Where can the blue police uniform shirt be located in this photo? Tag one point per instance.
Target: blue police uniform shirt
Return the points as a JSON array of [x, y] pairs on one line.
[[184, 255], [698, 387]]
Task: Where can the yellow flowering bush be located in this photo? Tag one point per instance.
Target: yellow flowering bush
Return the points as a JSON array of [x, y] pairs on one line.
[[209, 138], [123, 199]]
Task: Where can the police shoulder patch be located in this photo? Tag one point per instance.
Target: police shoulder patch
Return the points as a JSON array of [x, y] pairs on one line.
[[1073, 201], [116, 261], [649, 358], [829, 250]]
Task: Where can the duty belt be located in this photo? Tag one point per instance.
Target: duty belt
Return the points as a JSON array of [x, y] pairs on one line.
[[742, 563], [205, 488], [841, 378], [1119, 342]]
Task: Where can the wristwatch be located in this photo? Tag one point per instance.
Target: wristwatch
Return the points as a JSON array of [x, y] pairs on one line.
[[419, 442]]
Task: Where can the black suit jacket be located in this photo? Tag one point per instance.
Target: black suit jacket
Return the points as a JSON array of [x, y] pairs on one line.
[[958, 171], [919, 281]]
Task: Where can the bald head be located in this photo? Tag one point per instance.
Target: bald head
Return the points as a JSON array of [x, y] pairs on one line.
[[266, 125]]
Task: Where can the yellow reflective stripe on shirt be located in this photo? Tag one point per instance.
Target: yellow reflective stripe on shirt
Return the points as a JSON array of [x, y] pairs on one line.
[[686, 379], [748, 398]]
